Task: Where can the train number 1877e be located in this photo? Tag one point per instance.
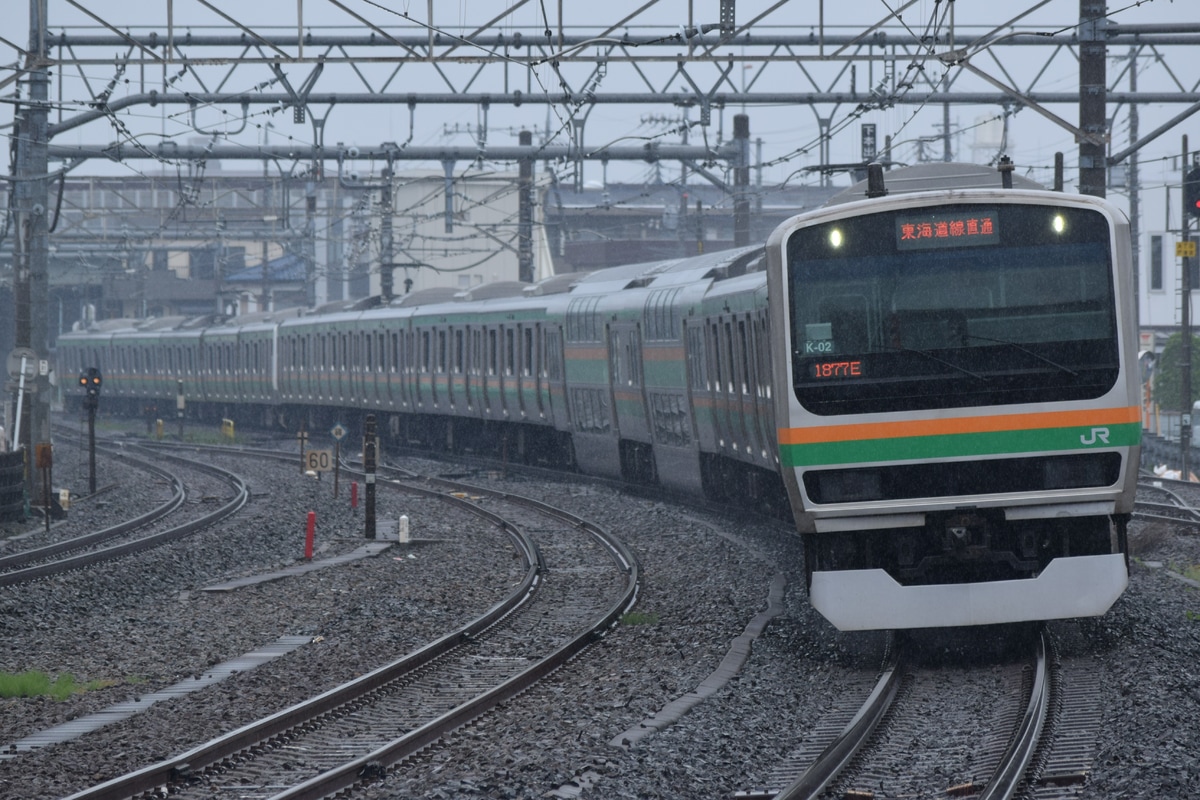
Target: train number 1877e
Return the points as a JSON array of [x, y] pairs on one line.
[[837, 369]]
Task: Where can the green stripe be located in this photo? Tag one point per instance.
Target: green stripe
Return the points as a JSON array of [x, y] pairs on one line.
[[956, 445]]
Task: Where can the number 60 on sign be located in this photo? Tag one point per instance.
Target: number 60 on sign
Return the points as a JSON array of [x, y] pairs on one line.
[[318, 460]]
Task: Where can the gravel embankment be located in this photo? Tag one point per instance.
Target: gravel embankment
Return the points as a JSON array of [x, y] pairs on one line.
[[144, 624]]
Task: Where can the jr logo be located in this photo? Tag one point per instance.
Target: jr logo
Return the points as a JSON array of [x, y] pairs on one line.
[[1098, 435]]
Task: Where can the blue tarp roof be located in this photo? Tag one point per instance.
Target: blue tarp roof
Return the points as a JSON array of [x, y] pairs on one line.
[[288, 267]]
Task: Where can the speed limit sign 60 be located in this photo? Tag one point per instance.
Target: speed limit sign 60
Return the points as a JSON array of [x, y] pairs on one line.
[[318, 460]]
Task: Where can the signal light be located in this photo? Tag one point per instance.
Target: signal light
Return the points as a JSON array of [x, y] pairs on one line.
[[91, 382], [1191, 192]]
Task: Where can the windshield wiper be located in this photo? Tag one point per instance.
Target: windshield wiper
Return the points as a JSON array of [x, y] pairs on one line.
[[1025, 349], [938, 359]]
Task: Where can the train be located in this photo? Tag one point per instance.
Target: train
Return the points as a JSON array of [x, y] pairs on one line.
[[936, 376]]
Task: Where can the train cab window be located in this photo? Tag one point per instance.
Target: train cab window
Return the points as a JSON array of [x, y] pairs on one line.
[[955, 304]]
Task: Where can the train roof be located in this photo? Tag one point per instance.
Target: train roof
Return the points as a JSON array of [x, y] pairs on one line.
[[933, 176], [677, 271]]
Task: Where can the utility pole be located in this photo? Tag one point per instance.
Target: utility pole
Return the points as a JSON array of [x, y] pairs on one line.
[[310, 242], [31, 289], [387, 252], [1185, 326], [741, 181], [525, 212], [1093, 97]]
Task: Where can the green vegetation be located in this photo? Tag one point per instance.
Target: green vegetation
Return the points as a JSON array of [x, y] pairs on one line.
[[36, 684], [1168, 375], [640, 618]]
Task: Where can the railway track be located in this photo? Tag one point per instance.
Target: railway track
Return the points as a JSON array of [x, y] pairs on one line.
[[1169, 504], [129, 537], [878, 753], [577, 583]]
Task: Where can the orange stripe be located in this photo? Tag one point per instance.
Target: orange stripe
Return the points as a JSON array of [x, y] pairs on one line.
[[952, 425], [663, 353]]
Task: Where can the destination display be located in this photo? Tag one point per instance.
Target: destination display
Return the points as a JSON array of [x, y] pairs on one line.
[[941, 229]]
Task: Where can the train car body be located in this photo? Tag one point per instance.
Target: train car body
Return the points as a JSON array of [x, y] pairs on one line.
[[958, 403], [953, 420]]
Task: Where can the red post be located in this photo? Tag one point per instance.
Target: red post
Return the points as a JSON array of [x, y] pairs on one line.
[[308, 536], [354, 494]]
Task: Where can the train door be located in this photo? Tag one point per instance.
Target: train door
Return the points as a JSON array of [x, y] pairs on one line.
[[381, 388], [764, 416], [445, 386], [722, 380], [321, 353], [739, 387], [626, 380], [407, 368], [509, 373], [531, 371], [458, 368], [395, 388], [492, 372], [469, 344], [747, 402], [424, 382], [555, 382], [345, 365], [699, 388]]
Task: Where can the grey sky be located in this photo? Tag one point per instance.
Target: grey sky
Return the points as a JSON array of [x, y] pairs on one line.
[[1033, 140]]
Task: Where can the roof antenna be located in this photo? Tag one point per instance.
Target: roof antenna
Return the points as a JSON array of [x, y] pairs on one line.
[[1006, 169], [875, 187]]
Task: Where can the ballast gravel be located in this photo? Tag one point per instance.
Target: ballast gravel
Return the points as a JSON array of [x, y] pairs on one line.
[[133, 627]]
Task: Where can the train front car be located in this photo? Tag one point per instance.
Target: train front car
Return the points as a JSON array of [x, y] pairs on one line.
[[957, 396]]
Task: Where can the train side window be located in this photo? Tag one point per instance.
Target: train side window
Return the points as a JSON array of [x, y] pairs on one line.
[[458, 352], [635, 358], [541, 354], [614, 358], [554, 354], [510, 351], [713, 351], [527, 363], [746, 363], [695, 357], [441, 351], [426, 352], [493, 355]]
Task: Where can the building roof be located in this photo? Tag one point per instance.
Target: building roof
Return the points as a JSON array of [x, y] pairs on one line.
[[289, 267]]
